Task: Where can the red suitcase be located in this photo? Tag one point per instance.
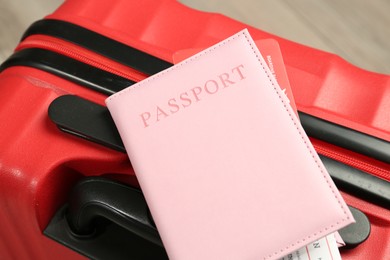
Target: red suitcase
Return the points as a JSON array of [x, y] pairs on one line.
[[40, 164]]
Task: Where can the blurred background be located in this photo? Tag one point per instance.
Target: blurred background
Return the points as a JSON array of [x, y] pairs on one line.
[[358, 31]]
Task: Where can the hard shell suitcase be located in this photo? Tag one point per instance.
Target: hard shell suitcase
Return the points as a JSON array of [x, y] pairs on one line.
[[93, 50]]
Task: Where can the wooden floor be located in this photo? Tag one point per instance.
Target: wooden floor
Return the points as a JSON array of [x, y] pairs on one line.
[[358, 30]]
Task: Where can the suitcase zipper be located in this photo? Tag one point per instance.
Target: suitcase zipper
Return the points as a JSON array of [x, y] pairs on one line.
[[80, 54], [382, 172]]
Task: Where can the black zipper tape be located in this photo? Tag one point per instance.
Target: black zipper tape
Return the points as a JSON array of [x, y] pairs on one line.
[[100, 44], [69, 69]]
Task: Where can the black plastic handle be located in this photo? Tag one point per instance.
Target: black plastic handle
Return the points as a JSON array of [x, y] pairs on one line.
[[78, 225], [105, 219], [85, 119], [95, 198]]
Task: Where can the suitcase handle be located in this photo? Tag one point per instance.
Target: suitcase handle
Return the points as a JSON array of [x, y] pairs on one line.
[[79, 226], [104, 219], [96, 197]]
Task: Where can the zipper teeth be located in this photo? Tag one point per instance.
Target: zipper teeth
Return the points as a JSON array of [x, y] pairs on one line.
[[379, 172], [82, 55]]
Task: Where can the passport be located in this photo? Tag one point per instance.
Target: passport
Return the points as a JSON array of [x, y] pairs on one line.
[[224, 164]]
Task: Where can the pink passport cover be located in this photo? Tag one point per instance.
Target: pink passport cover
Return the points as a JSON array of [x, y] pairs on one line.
[[226, 169]]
